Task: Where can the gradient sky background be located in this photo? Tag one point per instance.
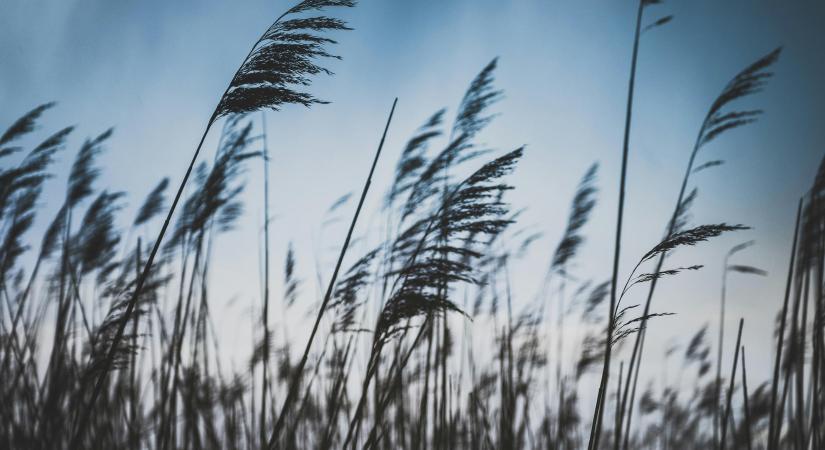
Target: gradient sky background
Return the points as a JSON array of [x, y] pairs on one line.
[[154, 70]]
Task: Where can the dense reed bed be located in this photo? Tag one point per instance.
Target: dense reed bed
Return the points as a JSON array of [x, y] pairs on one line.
[[107, 339]]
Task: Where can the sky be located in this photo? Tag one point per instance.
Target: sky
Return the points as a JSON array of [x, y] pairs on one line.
[[154, 70]]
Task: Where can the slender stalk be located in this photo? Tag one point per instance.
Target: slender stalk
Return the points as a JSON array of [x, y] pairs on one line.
[[293, 388], [265, 318], [746, 406], [596, 427], [425, 391], [773, 437], [133, 432], [634, 359], [816, 364], [443, 419], [799, 366], [618, 425], [719, 351], [730, 387]]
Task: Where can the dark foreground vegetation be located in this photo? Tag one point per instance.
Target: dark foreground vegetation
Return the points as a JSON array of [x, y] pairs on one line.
[[107, 341]]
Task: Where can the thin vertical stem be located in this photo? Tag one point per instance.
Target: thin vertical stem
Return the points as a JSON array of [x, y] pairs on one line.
[[300, 367], [719, 351], [730, 387], [133, 432], [772, 426], [596, 427], [618, 417], [265, 318], [746, 406], [799, 366]]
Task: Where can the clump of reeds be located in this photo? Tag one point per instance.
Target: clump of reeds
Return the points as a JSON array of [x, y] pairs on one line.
[[421, 342]]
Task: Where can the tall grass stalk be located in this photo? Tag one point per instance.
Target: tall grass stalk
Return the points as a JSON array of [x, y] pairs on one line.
[[746, 404], [265, 315], [298, 371], [596, 428], [727, 413]]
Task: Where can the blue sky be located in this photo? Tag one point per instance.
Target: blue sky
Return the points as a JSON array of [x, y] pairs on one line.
[[154, 70]]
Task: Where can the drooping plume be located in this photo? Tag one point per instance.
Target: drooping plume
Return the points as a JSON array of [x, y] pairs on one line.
[[283, 61]]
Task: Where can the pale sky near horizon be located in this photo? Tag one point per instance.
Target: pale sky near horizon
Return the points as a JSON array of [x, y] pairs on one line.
[[154, 69]]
